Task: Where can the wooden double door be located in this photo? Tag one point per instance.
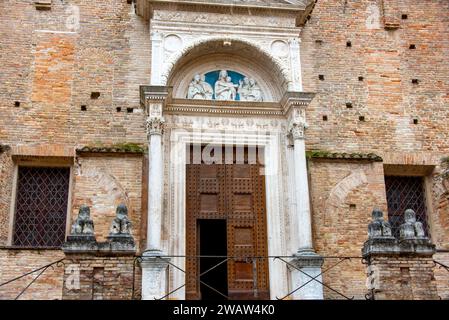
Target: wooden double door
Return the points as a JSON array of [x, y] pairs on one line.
[[226, 216]]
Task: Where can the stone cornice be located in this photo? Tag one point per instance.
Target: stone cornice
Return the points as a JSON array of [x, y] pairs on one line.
[[154, 93], [119, 148], [269, 5], [301, 9], [343, 156], [296, 99], [215, 107]]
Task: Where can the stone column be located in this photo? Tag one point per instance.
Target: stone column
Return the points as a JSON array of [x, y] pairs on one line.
[[155, 183], [154, 264], [307, 263]]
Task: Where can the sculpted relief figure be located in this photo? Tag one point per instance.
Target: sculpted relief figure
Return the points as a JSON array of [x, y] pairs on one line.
[[208, 90], [199, 88], [249, 90], [225, 89]]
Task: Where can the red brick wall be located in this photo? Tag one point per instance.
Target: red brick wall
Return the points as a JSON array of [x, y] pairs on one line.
[[343, 196], [102, 278], [14, 263], [6, 177], [404, 278], [102, 183]]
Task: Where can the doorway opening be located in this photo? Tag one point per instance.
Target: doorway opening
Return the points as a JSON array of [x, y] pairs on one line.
[[213, 242]]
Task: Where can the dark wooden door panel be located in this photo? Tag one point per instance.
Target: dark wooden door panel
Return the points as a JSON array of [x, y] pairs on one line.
[[235, 192]]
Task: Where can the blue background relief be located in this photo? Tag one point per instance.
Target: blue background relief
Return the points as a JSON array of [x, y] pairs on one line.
[[212, 77]]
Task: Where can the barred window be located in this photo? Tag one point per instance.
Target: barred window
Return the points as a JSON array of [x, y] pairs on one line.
[[405, 193], [41, 207]]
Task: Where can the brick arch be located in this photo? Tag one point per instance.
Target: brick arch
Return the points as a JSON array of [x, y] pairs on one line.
[[341, 190]]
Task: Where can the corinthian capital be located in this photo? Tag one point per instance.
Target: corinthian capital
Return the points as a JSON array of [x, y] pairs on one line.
[[155, 125]]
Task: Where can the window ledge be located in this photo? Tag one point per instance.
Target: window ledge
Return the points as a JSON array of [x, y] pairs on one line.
[[29, 248]]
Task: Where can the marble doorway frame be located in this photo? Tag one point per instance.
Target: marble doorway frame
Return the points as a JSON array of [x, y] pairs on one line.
[[179, 139]]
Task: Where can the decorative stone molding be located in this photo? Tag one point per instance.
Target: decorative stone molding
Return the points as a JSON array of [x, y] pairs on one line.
[[306, 273], [151, 95], [317, 154], [201, 40], [117, 148], [154, 276], [297, 130]]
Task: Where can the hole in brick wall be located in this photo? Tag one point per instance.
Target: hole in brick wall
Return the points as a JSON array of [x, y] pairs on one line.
[[352, 206], [83, 108], [412, 46], [348, 105], [308, 17], [17, 104], [318, 41], [361, 78], [348, 44], [361, 118], [324, 118], [118, 109], [129, 1], [321, 77], [415, 121], [404, 17], [415, 81], [94, 95], [130, 110]]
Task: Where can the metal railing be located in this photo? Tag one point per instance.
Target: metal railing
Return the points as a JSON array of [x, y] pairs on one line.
[[41, 271], [224, 259]]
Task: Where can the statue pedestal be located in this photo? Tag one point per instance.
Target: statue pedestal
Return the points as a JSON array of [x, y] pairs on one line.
[[154, 275], [308, 265]]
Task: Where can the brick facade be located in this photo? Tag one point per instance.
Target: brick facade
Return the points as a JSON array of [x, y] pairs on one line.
[[100, 278], [50, 68]]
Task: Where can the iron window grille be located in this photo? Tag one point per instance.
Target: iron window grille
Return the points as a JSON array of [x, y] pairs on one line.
[[405, 193], [41, 207]]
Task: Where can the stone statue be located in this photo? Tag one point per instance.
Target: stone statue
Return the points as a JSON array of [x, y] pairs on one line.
[[411, 228], [225, 89], [249, 90], [379, 228], [121, 225], [83, 225]]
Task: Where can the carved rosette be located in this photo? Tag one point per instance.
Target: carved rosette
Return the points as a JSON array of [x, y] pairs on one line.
[[155, 125]]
